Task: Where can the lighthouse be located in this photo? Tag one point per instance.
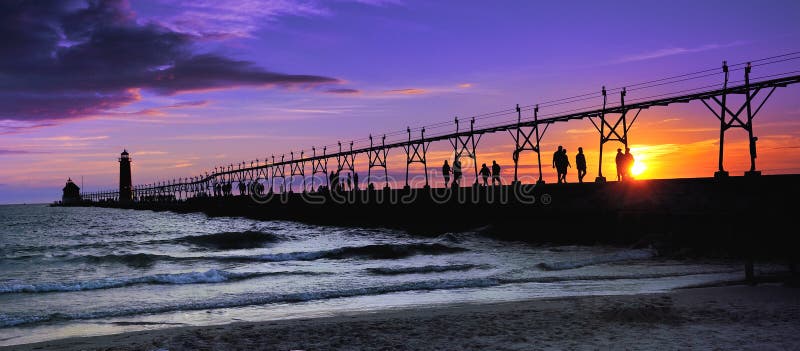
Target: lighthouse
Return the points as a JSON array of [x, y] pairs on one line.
[[125, 183]]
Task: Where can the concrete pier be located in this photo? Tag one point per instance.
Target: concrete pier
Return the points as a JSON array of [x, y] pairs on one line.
[[741, 215]]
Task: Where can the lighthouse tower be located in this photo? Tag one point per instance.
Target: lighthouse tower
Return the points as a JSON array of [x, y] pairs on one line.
[[125, 183]]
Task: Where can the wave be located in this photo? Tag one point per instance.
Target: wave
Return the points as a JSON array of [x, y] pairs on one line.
[[141, 260], [220, 241], [615, 257], [422, 269], [230, 240], [9, 320], [375, 252], [210, 276]]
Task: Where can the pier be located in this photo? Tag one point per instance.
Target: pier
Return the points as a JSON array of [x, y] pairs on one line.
[[722, 211]]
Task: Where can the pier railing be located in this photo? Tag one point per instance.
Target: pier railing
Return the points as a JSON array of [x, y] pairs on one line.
[[611, 119]]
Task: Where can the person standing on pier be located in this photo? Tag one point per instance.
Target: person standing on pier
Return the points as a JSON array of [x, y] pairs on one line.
[[620, 160], [332, 181], [580, 164], [456, 172], [496, 173], [355, 180], [485, 174], [446, 173], [349, 178]]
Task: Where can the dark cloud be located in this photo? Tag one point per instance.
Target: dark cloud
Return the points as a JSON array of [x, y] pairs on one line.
[[343, 91], [16, 152], [69, 59]]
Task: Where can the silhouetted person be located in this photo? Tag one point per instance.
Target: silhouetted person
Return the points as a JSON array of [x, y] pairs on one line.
[[332, 181], [355, 180], [496, 173], [564, 163], [556, 159], [242, 188], [337, 180], [446, 173], [580, 164], [485, 173], [620, 160], [349, 181], [628, 161], [456, 172]]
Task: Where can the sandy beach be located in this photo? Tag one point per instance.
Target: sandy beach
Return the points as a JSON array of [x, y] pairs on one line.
[[765, 317]]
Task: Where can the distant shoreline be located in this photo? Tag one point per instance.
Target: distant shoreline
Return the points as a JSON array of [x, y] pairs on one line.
[[731, 317]]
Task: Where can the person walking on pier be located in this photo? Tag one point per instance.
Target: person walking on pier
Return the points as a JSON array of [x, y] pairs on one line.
[[485, 173], [620, 160], [496, 173], [349, 179], [557, 162], [564, 165], [456, 172], [580, 164], [446, 173]]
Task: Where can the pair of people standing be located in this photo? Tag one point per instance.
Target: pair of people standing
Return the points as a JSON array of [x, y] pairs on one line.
[[624, 164], [455, 170], [561, 163]]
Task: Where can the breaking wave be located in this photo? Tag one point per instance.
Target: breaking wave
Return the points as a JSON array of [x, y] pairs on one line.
[[9, 320], [231, 240], [374, 252], [210, 276]]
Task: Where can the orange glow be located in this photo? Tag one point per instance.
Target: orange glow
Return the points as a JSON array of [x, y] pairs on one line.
[[638, 168]]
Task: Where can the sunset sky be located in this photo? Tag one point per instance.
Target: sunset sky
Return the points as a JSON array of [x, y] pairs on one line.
[[185, 85]]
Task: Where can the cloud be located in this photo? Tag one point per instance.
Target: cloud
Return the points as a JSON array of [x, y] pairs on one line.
[[240, 19], [465, 85], [226, 19], [214, 137], [13, 127], [675, 51], [408, 91], [73, 59], [581, 131], [181, 165], [146, 153], [72, 138], [159, 111], [345, 91], [18, 152]]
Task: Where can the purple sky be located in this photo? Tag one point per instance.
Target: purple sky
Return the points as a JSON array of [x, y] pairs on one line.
[[189, 85]]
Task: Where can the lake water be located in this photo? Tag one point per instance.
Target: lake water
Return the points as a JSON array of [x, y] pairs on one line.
[[91, 271]]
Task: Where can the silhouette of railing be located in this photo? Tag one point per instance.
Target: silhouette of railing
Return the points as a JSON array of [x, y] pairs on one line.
[[611, 122]]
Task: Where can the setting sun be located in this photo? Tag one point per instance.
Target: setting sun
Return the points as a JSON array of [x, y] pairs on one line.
[[638, 168]]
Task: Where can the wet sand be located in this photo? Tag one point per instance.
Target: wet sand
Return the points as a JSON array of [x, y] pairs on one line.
[[736, 317]]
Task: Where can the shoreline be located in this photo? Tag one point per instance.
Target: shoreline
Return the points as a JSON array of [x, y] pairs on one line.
[[728, 317]]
